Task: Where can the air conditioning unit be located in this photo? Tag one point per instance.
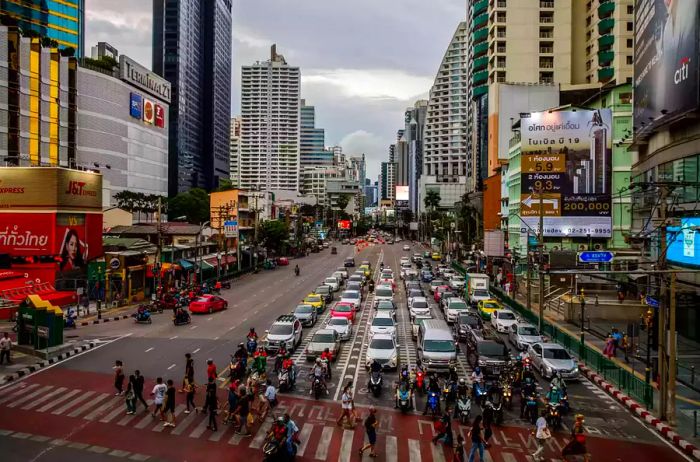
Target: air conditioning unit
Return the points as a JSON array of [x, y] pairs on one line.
[[598, 247], [582, 247]]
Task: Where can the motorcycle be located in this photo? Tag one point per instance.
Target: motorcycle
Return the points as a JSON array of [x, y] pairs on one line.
[[236, 369], [375, 384], [419, 385], [71, 316], [507, 395], [449, 391], [283, 380], [434, 403], [404, 397], [317, 387], [553, 415], [464, 409], [251, 345], [495, 402], [142, 317], [276, 450], [531, 407], [479, 392], [182, 317]]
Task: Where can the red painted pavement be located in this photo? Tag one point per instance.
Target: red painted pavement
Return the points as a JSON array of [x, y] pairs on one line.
[[510, 443]]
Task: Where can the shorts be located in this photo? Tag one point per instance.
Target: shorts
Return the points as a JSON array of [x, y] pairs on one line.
[[159, 405], [170, 406], [372, 436]]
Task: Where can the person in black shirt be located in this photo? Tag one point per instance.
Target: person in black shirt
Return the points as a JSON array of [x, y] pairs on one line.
[[475, 434], [169, 408], [211, 404], [371, 430], [138, 389], [242, 412]]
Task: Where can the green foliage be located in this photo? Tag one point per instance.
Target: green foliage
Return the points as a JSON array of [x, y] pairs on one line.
[[342, 201], [106, 62], [273, 235], [193, 205], [139, 203], [432, 199]]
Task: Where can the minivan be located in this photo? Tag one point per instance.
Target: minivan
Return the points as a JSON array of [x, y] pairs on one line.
[[437, 350]]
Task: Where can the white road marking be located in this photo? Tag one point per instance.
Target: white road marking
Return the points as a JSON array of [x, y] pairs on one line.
[[58, 401], [437, 452], [210, 318], [150, 349], [173, 337], [97, 400], [71, 403], [324, 443], [28, 397], [171, 366], [195, 351], [19, 392], [304, 436], [193, 327], [414, 450], [260, 435], [346, 446], [216, 338], [43, 399], [103, 407], [391, 452]]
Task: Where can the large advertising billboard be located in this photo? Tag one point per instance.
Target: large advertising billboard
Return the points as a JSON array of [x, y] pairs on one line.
[[684, 243], [402, 193], [666, 61], [566, 172], [49, 188], [344, 224]]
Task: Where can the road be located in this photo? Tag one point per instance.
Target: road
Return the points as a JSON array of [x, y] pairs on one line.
[[69, 410]]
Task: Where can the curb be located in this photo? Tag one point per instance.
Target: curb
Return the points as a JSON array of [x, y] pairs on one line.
[[662, 428], [47, 362], [105, 319]]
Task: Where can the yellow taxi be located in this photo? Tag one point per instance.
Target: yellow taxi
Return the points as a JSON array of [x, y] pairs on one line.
[[316, 301], [436, 256], [366, 270], [487, 307]]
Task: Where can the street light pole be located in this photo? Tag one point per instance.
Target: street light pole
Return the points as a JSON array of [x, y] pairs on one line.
[[540, 244], [583, 317]]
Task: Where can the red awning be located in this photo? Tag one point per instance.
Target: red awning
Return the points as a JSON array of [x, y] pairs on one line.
[[225, 260]]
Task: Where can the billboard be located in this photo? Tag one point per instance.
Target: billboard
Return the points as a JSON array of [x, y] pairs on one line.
[[566, 172], [160, 116], [684, 243], [344, 224], [402, 193], [149, 111], [136, 106], [666, 61], [49, 188]]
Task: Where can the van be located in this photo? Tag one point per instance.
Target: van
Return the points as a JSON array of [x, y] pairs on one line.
[[437, 350]]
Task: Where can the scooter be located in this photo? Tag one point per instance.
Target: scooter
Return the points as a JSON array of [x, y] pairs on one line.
[[404, 397], [553, 415], [284, 384], [495, 402], [317, 387], [531, 407], [71, 316], [142, 317], [275, 450], [251, 345], [434, 403], [479, 392], [449, 391], [507, 396], [375, 384], [182, 317], [236, 369], [420, 382], [464, 409]]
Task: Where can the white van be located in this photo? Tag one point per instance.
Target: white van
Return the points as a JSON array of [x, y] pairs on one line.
[[437, 350]]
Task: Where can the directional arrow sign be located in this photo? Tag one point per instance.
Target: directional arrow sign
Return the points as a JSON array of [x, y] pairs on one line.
[[529, 201], [595, 257], [652, 302]]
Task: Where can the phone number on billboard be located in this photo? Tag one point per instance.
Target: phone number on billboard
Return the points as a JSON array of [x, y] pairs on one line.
[[576, 231]]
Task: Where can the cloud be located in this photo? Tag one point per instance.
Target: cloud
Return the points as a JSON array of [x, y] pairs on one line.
[[377, 83]]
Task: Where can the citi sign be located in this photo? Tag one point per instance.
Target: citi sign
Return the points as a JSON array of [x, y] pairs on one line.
[[682, 72], [144, 109]]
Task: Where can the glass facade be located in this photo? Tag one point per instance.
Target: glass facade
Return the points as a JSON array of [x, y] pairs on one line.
[[62, 21], [312, 140]]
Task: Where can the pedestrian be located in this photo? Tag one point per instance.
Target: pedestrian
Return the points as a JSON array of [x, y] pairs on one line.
[[5, 348], [346, 406], [577, 445], [138, 389], [609, 349], [211, 369], [625, 345], [269, 399], [190, 387], [211, 404], [158, 397], [189, 371], [242, 411], [118, 377], [232, 403], [85, 303], [477, 440], [542, 434], [131, 395], [444, 429], [371, 430], [169, 405], [459, 451]]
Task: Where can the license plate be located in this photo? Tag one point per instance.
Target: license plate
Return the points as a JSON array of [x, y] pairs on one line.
[[496, 370]]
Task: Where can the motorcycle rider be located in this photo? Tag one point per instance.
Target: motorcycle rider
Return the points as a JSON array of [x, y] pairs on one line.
[[241, 355], [279, 433], [558, 381], [292, 433], [477, 378], [462, 393], [319, 372], [528, 388], [288, 365], [260, 360], [370, 286], [326, 358], [279, 358], [553, 396], [252, 335], [433, 387]]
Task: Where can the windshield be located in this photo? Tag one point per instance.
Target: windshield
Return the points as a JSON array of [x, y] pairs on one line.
[[383, 322], [382, 344], [356, 278], [507, 315], [527, 330], [385, 305], [457, 279], [343, 308], [313, 298], [281, 329], [420, 304], [351, 294], [304, 309], [354, 286], [481, 293], [471, 321], [437, 282], [556, 353], [439, 346], [338, 322], [491, 349], [458, 306], [331, 281], [323, 338], [322, 289], [491, 305], [384, 293]]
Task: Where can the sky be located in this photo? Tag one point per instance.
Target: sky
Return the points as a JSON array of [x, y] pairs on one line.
[[363, 62]]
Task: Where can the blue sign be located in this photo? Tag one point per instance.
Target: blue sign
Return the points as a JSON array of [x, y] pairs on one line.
[[596, 257], [319, 224], [652, 302], [321, 235], [684, 243], [136, 106]]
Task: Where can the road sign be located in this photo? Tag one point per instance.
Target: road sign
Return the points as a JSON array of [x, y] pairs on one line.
[[650, 301], [231, 228], [42, 331], [596, 257]]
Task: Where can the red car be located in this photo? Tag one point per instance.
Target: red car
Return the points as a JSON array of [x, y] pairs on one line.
[[283, 261], [438, 292], [208, 304], [343, 310]]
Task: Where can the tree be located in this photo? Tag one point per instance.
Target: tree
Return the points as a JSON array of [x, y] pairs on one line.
[[342, 201], [193, 205], [273, 235], [432, 199]]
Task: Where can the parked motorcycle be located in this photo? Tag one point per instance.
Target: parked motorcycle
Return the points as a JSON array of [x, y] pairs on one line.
[[375, 383], [70, 318]]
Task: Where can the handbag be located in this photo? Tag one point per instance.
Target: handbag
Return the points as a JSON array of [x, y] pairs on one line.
[[546, 434], [130, 395]]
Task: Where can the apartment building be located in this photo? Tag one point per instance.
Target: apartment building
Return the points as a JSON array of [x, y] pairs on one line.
[[235, 150]]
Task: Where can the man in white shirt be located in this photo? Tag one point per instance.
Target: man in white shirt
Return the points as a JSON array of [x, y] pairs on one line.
[[5, 347], [541, 436], [158, 397]]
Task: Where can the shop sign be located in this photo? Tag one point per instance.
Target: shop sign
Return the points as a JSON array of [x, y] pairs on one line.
[[114, 263], [37, 188]]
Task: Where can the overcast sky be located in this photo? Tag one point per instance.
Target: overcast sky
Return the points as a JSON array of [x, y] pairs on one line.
[[362, 61]]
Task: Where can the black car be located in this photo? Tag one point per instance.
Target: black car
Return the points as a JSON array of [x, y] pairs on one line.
[[325, 292], [466, 322], [349, 262], [410, 293], [488, 351]]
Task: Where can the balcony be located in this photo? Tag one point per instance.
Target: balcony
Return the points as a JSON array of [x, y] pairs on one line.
[[605, 57], [546, 4], [480, 35], [480, 77], [605, 25], [546, 50], [480, 21], [606, 41], [480, 63], [546, 18], [481, 49], [605, 74], [605, 9], [480, 7]]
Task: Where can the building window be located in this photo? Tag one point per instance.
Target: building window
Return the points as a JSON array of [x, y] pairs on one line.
[[630, 26], [630, 43], [630, 9], [629, 59]]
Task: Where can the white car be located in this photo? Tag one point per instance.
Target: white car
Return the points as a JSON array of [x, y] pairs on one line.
[[448, 273], [383, 323], [457, 282], [352, 296], [343, 326], [383, 292], [405, 260], [523, 335], [387, 279], [339, 276], [501, 320], [383, 349], [418, 306], [333, 283], [548, 358], [406, 247], [343, 271], [453, 308], [479, 295]]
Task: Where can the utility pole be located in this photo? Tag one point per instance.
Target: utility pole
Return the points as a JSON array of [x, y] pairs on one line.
[[540, 246], [159, 248], [663, 303], [672, 353]]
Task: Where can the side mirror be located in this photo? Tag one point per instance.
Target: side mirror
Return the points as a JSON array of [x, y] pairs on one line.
[[267, 331]]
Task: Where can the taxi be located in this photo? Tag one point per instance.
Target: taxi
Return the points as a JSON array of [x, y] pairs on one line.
[[366, 270], [487, 307], [343, 310], [436, 256], [316, 301]]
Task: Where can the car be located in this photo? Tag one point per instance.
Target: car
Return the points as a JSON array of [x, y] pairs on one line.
[[501, 320], [334, 250], [404, 259], [548, 358], [387, 280], [332, 282], [306, 314], [436, 256], [366, 263], [386, 306], [412, 285], [444, 297], [417, 321], [411, 293], [342, 326], [465, 323], [455, 306], [426, 275], [366, 270], [352, 296], [343, 271], [286, 330], [405, 265], [207, 304], [437, 292], [353, 242], [457, 282], [316, 301], [325, 245], [354, 286], [339, 276], [410, 273], [382, 323], [418, 306], [436, 283], [416, 257], [487, 307], [448, 273], [383, 349], [357, 277], [349, 262], [478, 295], [322, 339], [343, 310], [522, 335], [406, 248], [488, 351], [426, 254], [282, 261], [383, 292], [325, 292]]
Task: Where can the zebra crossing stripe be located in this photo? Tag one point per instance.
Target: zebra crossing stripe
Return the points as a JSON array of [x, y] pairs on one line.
[[98, 399], [129, 418], [160, 427], [71, 403], [437, 453], [104, 407], [414, 451], [346, 446], [304, 436], [58, 401], [115, 412], [185, 423], [17, 393], [143, 423], [31, 395], [260, 436], [324, 443], [43, 399], [391, 452], [199, 429]]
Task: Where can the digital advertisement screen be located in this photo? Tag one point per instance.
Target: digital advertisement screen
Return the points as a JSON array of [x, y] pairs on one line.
[[566, 172], [684, 243], [344, 224], [402, 193]]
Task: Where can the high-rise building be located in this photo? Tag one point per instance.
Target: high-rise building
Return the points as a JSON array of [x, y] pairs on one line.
[[235, 151], [415, 127], [270, 145], [445, 136], [312, 140], [338, 156], [388, 181], [192, 50], [62, 21], [314, 182]]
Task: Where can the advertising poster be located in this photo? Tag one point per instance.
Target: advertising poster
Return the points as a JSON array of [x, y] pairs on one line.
[[402, 193], [37, 188], [344, 224], [160, 116], [27, 234], [135, 108], [684, 243], [666, 61], [566, 169], [78, 239], [149, 111]]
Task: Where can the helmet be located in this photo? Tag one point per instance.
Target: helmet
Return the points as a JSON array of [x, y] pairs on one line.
[[327, 350], [477, 369], [372, 409], [554, 387], [252, 329], [240, 345], [318, 360], [280, 420], [462, 381], [209, 361]]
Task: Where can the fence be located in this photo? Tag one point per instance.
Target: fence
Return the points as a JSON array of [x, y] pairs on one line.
[[611, 372]]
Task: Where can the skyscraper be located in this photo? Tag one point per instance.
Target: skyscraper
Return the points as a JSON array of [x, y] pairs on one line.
[[270, 144], [62, 21], [415, 127], [192, 50], [312, 141], [235, 151]]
